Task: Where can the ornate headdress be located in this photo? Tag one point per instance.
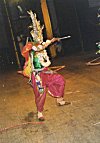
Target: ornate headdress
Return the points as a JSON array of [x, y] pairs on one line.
[[36, 31]]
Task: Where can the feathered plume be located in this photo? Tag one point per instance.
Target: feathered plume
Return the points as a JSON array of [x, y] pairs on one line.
[[36, 31]]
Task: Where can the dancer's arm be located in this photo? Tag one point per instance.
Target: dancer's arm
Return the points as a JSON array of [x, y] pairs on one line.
[[47, 43]]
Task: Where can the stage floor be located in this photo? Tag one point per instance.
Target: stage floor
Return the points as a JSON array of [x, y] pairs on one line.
[[75, 123]]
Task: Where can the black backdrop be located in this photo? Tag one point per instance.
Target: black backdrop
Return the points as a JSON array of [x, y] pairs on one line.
[[68, 23], [77, 18]]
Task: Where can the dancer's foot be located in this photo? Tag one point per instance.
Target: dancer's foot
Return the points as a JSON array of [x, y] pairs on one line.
[[62, 102], [20, 72], [40, 116]]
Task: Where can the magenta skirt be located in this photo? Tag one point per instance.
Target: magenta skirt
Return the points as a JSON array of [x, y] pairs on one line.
[[54, 83]]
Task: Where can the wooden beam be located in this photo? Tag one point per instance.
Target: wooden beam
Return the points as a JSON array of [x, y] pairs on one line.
[[48, 25]]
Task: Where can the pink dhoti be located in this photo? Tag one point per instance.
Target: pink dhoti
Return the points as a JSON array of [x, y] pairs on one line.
[[54, 83]]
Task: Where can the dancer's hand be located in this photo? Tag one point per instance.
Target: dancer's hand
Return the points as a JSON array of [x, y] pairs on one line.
[[54, 40]]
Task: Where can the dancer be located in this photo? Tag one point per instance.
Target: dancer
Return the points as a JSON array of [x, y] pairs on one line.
[[37, 69]]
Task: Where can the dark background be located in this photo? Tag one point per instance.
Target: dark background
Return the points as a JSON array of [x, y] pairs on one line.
[[77, 18]]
